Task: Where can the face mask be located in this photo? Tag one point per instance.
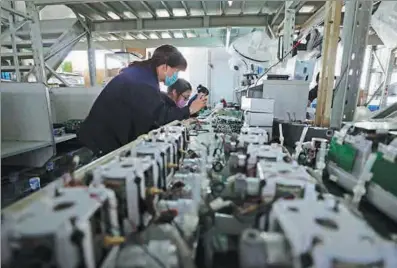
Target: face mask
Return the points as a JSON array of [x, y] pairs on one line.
[[181, 103], [169, 80]]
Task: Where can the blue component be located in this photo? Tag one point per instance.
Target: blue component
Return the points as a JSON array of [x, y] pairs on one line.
[[373, 107], [49, 166], [34, 183]]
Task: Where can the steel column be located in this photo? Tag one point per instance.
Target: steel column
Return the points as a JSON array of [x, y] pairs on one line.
[[355, 34], [11, 20], [37, 43], [386, 82], [289, 29], [330, 47], [369, 71], [91, 59], [0, 43]]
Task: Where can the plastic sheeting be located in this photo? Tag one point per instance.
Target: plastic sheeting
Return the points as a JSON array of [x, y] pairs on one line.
[[384, 22]]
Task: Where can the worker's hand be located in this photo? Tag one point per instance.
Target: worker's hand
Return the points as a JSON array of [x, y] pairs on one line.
[[197, 105]]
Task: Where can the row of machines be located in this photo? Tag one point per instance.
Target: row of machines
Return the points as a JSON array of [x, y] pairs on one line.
[[176, 189]]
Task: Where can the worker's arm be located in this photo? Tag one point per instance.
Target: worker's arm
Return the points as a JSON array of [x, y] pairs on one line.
[[150, 111]]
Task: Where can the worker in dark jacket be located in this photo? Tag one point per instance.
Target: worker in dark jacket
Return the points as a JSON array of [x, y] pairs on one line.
[[202, 93], [131, 104], [177, 94]]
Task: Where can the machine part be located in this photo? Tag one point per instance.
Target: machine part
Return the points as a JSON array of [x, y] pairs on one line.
[[163, 154], [247, 130], [50, 234], [256, 119], [384, 166], [365, 177], [196, 183], [129, 178], [266, 170], [271, 153], [263, 249], [322, 225], [352, 154], [248, 139], [257, 105], [217, 166], [157, 254]]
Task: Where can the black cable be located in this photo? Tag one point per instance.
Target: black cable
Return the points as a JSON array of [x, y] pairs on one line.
[[248, 58], [336, 88], [267, 71]]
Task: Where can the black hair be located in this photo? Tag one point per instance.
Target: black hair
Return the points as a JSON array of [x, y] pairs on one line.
[[180, 86], [318, 78], [165, 54], [204, 90]]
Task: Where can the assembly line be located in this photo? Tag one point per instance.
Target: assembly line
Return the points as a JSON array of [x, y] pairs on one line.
[[200, 134]]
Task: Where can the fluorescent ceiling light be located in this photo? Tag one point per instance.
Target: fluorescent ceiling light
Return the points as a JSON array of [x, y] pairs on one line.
[[162, 13], [165, 35], [190, 35], [178, 35], [230, 3], [306, 9], [128, 14], [179, 12], [113, 15], [153, 36], [141, 36]]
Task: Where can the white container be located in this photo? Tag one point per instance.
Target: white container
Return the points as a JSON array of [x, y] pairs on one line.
[[258, 119], [257, 105]]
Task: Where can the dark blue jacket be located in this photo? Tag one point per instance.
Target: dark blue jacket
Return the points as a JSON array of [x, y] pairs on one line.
[[130, 105]]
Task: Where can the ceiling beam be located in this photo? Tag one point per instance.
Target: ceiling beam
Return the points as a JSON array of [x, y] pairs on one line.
[[186, 8], [129, 8], [58, 2], [277, 15], [149, 9], [204, 7], [97, 11], [147, 43], [169, 10], [180, 23], [120, 15]]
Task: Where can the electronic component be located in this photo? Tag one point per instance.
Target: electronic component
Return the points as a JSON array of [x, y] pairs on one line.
[[162, 153], [174, 136], [129, 178], [271, 153], [67, 231], [158, 253], [246, 130], [327, 234], [349, 152], [247, 139]]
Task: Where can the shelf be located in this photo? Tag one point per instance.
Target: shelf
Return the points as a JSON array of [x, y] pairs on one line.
[[64, 138], [11, 148]]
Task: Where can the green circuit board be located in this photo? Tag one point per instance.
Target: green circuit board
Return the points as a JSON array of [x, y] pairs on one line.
[[343, 155], [384, 174]]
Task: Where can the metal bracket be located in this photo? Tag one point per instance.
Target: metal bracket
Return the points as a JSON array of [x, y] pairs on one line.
[[288, 30], [37, 43], [355, 35]]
